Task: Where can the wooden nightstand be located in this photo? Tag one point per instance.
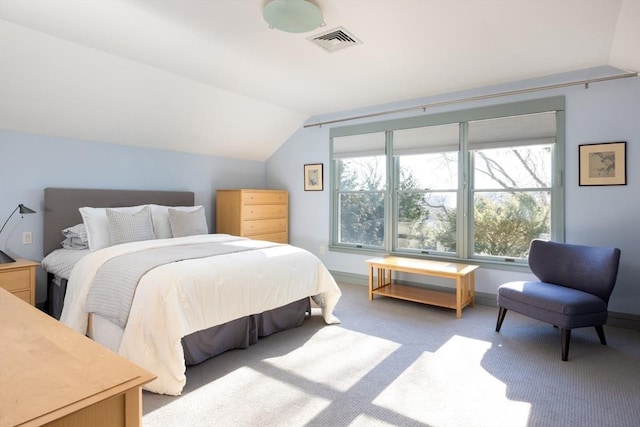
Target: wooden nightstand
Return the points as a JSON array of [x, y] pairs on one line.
[[19, 278]]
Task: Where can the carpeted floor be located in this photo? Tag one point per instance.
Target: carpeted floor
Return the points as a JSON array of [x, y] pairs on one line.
[[392, 362]]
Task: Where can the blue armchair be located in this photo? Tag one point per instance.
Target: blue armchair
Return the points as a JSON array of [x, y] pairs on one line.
[[573, 288]]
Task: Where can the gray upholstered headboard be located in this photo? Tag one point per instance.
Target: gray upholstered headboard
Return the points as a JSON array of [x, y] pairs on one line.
[[61, 206]]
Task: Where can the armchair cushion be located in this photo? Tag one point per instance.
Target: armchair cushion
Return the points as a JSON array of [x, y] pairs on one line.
[[564, 307]]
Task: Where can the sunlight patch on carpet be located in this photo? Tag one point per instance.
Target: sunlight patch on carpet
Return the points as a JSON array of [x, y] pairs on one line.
[[335, 357], [368, 420], [423, 392], [264, 399]]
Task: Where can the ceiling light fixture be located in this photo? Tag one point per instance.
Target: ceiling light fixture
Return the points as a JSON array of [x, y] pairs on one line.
[[293, 16]]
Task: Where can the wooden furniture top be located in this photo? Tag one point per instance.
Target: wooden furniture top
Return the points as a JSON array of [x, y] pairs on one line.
[[422, 266], [47, 370], [252, 190], [20, 263]]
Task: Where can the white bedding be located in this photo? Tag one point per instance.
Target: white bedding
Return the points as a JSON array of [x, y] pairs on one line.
[[180, 298], [61, 261]]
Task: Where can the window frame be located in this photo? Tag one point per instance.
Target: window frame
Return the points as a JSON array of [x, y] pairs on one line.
[[465, 194]]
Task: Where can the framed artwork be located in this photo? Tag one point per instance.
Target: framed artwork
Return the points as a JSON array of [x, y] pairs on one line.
[[313, 177], [603, 164]]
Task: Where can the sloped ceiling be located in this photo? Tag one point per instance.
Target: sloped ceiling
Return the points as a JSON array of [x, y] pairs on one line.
[[210, 77]]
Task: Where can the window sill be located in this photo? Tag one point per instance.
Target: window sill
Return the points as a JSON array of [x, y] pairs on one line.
[[518, 266]]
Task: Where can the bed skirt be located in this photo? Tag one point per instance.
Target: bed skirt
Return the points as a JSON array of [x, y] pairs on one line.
[[205, 344], [56, 288], [243, 332]]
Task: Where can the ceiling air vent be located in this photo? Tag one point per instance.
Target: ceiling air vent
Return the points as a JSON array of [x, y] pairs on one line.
[[335, 39]]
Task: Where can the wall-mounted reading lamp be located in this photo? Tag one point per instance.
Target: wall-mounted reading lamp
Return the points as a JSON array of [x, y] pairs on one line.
[[4, 258]]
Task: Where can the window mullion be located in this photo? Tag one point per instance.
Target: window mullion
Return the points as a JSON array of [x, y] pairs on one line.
[[390, 199], [465, 216], [557, 182], [334, 218]]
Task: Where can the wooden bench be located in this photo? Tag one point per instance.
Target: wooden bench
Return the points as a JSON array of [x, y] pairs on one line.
[[381, 283]]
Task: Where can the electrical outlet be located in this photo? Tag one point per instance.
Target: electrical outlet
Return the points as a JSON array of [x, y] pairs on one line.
[[27, 238], [321, 250]]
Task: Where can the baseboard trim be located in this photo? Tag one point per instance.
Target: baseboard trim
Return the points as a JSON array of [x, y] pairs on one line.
[[624, 320], [618, 320], [351, 278]]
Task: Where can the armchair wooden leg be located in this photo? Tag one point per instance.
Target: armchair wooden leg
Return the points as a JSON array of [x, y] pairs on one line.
[[501, 313], [600, 331], [565, 338]]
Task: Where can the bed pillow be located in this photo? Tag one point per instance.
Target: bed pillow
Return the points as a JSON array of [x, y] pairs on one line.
[[160, 217], [97, 224], [75, 237], [130, 227], [188, 223]]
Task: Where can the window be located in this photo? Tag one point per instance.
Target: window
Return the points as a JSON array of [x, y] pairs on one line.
[[361, 189], [426, 164], [511, 160], [477, 184]]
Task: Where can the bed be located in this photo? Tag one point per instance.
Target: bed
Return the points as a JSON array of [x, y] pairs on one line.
[[220, 292]]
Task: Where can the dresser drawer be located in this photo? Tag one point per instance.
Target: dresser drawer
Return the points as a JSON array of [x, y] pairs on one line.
[[265, 198], [251, 228], [264, 211], [15, 280], [272, 237], [23, 295]]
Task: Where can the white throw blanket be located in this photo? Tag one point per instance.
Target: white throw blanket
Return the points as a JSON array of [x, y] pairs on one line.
[[177, 299]]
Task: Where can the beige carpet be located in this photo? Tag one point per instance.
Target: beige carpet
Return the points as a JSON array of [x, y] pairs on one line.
[[392, 362]]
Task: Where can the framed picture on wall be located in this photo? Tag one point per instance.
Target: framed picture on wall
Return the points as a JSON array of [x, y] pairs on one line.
[[313, 177], [603, 164]]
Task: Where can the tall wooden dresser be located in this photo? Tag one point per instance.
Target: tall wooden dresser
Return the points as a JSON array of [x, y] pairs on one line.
[[256, 214]]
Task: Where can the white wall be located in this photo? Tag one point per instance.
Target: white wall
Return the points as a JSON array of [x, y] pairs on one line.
[[599, 216], [30, 163]]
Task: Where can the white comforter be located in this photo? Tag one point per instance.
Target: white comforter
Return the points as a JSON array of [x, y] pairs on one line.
[[180, 298]]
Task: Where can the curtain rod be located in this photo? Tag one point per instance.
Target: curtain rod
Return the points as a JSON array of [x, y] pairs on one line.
[[424, 107]]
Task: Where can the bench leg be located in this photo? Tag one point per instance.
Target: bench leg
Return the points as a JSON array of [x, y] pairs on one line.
[[501, 313], [565, 338], [459, 295]]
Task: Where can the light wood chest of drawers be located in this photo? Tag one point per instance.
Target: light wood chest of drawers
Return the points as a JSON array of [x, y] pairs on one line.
[[256, 214], [19, 278]]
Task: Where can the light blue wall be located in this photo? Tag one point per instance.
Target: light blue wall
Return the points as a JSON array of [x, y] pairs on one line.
[[607, 216], [30, 163], [601, 216]]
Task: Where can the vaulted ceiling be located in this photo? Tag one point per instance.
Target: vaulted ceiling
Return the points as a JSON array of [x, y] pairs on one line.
[[210, 76]]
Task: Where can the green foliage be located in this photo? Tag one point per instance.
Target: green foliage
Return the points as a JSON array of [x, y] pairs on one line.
[[445, 231], [362, 218], [505, 226], [411, 206], [361, 206]]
